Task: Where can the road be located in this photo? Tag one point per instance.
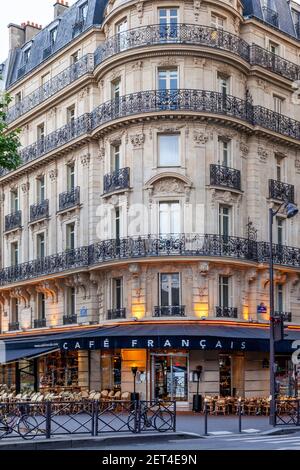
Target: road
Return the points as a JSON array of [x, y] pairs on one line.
[[229, 442]]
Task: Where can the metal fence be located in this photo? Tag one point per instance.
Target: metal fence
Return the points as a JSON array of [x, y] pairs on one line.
[[287, 412], [60, 418]]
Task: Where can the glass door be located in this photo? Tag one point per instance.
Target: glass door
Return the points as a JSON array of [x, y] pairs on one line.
[[170, 376]]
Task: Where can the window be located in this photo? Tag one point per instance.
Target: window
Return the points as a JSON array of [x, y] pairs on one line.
[[224, 291], [224, 221], [14, 310], [14, 201], [14, 253], [168, 150], [83, 9], [278, 103], [40, 248], [26, 55], [71, 301], [71, 114], [71, 177], [115, 158], [40, 183], [279, 161], [121, 29], [168, 79], [41, 306], [273, 47], [45, 78], [224, 152], [75, 57], [168, 16], [116, 90], [117, 293], [70, 236], [169, 218], [40, 131], [223, 84], [18, 97], [117, 222], [53, 36], [169, 291], [279, 298], [217, 21], [280, 230]]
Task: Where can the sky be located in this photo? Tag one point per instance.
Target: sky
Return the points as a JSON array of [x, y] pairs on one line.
[[21, 11]]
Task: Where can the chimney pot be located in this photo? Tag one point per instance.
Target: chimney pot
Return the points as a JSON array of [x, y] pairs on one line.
[[60, 7], [16, 35]]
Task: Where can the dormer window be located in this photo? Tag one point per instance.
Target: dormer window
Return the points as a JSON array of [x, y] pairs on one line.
[[53, 35], [83, 9], [26, 55]]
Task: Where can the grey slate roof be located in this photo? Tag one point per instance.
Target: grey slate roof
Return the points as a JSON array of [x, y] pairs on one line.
[[282, 7]]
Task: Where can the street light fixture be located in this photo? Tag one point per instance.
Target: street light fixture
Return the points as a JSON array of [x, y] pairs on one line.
[[291, 210]]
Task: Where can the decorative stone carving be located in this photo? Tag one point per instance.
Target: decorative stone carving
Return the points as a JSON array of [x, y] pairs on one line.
[[263, 154], [140, 10], [138, 65], [2, 197], [236, 25], [85, 159], [197, 6], [53, 175], [224, 197], [199, 61], [200, 138], [168, 185], [168, 61], [25, 187], [203, 269], [251, 275], [244, 149], [84, 92], [22, 294], [50, 289], [137, 140]]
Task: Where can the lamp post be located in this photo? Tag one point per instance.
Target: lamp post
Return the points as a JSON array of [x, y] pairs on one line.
[[291, 210], [134, 395]]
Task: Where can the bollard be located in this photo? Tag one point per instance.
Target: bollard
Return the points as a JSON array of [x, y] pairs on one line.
[[48, 419], [205, 417], [240, 414]]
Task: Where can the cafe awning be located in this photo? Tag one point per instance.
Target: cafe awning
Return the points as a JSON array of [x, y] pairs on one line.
[[14, 355]]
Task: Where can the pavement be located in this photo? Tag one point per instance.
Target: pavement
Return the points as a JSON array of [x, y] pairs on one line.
[[222, 433]]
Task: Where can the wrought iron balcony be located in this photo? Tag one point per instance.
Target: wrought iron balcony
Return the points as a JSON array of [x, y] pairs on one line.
[[228, 312], [286, 316], [270, 16], [169, 311], [50, 88], [282, 254], [14, 326], [69, 199], [117, 180], [225, 177], [13, 221], [39, 211], [69, 319], [40, 323], [273, 62], [116, 313], [281, 191]]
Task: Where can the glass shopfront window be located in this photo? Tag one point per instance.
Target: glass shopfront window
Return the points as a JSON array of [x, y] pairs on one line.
[[8, 375], [287, 377], [111, 370], [170, 376], [58, 370]]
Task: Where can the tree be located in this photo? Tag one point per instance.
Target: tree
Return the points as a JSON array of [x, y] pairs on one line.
[[9, 141]]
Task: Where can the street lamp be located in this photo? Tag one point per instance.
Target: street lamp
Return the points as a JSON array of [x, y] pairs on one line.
[[291, 210], [134, 395]]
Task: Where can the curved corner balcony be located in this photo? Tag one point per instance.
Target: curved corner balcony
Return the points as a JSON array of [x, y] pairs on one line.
[[196, 35], [166, 101], [51, 87]]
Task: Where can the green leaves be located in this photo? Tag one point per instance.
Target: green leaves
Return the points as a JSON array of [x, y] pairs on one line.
[[9, 141]]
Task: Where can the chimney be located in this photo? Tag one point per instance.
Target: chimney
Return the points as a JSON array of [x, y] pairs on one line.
[[16, 36], [60, 7], [31, 30]]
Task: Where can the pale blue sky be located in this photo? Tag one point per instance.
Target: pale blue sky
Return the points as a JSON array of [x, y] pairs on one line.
[[20, 11]]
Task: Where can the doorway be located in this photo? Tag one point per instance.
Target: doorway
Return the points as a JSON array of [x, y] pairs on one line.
[[169, 374]]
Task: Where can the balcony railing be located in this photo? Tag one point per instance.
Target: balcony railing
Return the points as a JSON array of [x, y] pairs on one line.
[[69, 199], [69, 319], [117, 180], [155, 101], [270, 16], [286, 316], [274, 62], [40, 323], [14, 326], [225, 177], [228, 312], [116, 313], [169, 311], [281, 191], [13, 221], [51, 87], [39, 211]]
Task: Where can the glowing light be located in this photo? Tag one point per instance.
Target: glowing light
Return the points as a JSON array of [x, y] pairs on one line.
[[201, 310], [245, 312], [138, 311]]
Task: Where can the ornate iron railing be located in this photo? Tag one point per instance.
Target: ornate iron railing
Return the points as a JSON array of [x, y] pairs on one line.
[[116, 313], [169, 311], [287, 412], [225, 176], [270, 16], [40, 323], [281, 191], [13, 221], [117, 180], [282, 254], [286, 316], [228, 312], [69, 199], [14, 326], [274, 62], [50, 88], [39, 211], [69, 319]]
